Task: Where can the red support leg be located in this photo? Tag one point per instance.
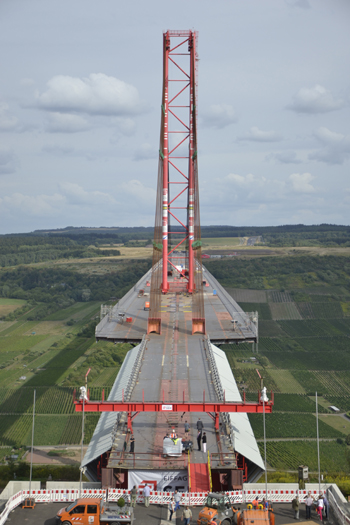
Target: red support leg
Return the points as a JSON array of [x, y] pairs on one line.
[[129, 422], [217, 421]]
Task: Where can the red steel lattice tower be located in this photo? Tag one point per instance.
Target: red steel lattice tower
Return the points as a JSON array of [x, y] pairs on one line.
[[177, 194]]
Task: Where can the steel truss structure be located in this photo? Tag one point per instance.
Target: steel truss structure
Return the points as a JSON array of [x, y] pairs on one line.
[[177, 194], [214, 409]]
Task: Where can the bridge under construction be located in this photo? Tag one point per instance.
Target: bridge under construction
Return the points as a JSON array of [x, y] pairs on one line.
[[177, 316]]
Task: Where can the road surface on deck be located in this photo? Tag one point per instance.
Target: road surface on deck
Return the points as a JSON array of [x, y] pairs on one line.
[[44, 514]]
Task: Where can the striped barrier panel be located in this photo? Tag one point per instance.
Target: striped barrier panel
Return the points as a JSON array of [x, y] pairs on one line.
[[115, 494], [58, 495], [40, 496], [11, 504], [163, 498]]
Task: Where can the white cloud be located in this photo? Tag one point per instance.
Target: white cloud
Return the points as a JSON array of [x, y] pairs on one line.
[[248, 180], [315, 100], [98, 94], [126, 126], [145, 152], [139, 192], [240, 190], [76, 195], [8, 160], [284, 157], [218, 116], [66, 123], [335, 147], [301, 182], [257, 135], [8, 122], [35, 206]]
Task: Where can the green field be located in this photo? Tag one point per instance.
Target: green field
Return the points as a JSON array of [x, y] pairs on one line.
[[304, 347], [285, 425], [47, 344], [289, 455]]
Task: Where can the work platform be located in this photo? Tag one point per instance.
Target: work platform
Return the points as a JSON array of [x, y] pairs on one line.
[[226, 322]]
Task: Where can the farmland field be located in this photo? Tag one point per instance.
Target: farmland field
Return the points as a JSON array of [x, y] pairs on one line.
[[295, 403], [247, 296], [338, 422], [262, 309], [286, 382], [8, 306], [304, 347], [289, 455], [283, 425], [270, 329], [341, 402], [284, 310]]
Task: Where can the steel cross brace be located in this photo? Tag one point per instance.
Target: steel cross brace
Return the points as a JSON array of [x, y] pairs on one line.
[[182, 406]]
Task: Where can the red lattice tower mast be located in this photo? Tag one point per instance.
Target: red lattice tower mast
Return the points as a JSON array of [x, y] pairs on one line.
[[177, 197], [178, 132]]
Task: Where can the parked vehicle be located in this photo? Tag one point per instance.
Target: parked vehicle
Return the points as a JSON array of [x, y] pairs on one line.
[[94, 511], [218, 509]]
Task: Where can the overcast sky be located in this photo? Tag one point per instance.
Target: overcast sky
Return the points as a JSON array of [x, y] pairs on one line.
[[80, 95]]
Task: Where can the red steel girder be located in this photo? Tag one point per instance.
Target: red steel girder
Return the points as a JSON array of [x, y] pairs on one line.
[[155, 406]]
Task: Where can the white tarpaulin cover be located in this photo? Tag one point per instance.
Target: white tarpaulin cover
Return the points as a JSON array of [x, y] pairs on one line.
[[164, 480], [172, 447]]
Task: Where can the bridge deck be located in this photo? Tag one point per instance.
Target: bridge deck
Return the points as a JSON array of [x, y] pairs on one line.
[[220, 312], [174, 367]]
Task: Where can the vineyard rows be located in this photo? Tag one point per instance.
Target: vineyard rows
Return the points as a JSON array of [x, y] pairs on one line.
[[296, 403], [15, 431], [332, 359], [289, 455], [341, 402], [247, 296], [324, 382], [54, 400], [308, 328], [324, 344], [49, 430], [279, 297], [284, 311], [331, 310], [286, 382], [284, 425], [305, 310], [270, 329]]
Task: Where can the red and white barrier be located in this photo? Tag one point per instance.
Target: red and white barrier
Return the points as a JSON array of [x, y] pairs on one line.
[[274, 494]]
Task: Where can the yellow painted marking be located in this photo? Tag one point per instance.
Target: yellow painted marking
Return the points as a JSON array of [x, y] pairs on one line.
[[163, 360], [187, 361]]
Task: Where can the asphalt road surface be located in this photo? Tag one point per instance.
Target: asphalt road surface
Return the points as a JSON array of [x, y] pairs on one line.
[[44, 514]]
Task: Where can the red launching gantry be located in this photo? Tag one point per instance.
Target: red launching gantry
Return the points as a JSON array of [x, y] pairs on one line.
[[214, 409]]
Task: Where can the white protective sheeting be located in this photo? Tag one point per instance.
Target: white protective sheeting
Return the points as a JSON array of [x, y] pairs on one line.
[[245, 442], [102, 439]]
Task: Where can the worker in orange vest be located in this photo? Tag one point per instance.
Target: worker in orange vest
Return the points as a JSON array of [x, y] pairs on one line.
[[255, 502]]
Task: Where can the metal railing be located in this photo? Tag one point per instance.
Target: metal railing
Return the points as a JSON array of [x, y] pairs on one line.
[[209, 474], [340, 510], [223, 459], [215, 377], [189, 470], [121, 459]]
